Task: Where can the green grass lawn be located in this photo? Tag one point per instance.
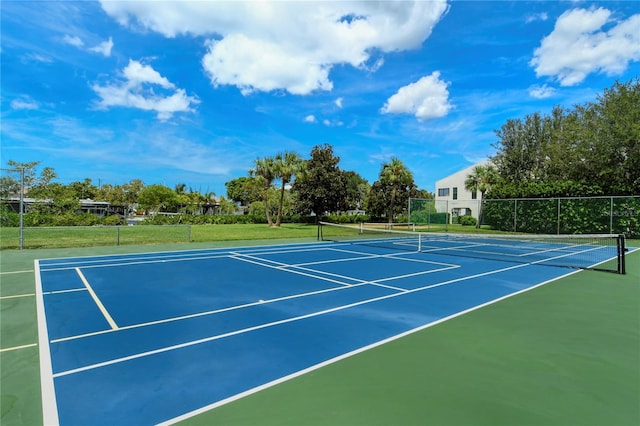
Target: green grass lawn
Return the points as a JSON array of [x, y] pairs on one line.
[[566, 353], [82, 236]]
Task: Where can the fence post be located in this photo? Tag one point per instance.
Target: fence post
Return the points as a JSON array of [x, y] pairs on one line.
[[611, 216], [117, 235], [558, 219], [189, 233]]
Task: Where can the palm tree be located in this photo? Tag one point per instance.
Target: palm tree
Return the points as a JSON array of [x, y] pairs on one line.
[[397, 176], [287, 165], [265, 170], [481, 179]]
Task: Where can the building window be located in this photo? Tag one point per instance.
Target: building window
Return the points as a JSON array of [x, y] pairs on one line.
[[455, 193], [443, 192], [474, 195]]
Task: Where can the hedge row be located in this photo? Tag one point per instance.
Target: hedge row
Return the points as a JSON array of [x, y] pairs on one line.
[[33, 219], [565, 216]]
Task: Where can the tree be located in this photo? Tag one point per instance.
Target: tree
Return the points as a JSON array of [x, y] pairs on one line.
[[611, 139], [244, 190], [481, 179], [265, 170], [286, 166], [84, 189], [595, 146], [320, 186], [31, 177], [158, 198], [356, 190], [398, 179]]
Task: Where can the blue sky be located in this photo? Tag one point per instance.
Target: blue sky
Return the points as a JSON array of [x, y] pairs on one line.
[[193, 92]]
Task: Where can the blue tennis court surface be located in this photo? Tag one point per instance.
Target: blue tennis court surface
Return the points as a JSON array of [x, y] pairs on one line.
[[152, 338]]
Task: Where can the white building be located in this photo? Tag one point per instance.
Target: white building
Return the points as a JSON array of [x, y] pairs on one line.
[[452, 196]]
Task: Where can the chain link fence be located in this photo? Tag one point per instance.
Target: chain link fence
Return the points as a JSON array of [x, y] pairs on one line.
[[563, 215]]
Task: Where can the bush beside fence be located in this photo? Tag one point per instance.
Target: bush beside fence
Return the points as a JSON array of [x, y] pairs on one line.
[[593, 215]]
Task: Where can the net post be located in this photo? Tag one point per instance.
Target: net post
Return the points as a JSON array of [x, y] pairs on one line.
[[319, 231], [419, 242], [621, 252]]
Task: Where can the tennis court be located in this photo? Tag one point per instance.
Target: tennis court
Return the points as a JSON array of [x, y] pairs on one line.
[[159, 337]]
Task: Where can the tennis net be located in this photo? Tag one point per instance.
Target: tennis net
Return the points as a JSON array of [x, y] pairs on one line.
[[598, 251]]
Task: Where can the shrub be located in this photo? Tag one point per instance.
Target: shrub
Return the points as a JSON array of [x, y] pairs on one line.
[[467, 220]]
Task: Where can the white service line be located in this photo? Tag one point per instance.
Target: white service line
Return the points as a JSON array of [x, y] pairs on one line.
[[97, 300], [275, 323]]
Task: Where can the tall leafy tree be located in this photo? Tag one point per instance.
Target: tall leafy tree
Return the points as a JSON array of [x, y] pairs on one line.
[[481, 178], [594, 146], [244, 190], [84, 190], [287, 165], [356, 190], [32, 179], [265, 170], [158, 198], [611, 139], [399, 180], [320, 187]]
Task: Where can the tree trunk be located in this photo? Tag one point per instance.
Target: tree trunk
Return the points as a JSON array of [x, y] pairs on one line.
[[391, 203], [279, 218], [266, 205], [480, 210]]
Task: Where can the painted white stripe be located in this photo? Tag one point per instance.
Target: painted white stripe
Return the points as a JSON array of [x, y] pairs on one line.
[[96, 299], [201, 314], [16, 272], [71, 290], [341, 357], [275, 323], [15, 348], [49, 407], [17, 295]]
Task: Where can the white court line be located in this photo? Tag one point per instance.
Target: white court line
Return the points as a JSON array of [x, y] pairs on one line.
[[71, 290], [192, 254], [15, 348], [284, 267], [139, 262], [259, 388], [17, 296], [49, 407], [206, 313], [317, 275], [96, 299], [276, 265], [16, 272], [279, 322]]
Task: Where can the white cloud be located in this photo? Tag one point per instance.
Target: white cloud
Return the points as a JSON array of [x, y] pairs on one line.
[[104, 48], [427, 98], [73, 41], [339, 103], [291, 46], [541, 92], [257, 65], [537, 17], [24, 103], [310, 119], [334, 123], [580, 45], [139, 90]]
